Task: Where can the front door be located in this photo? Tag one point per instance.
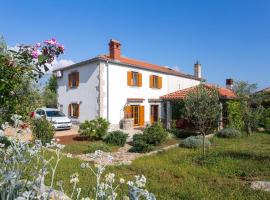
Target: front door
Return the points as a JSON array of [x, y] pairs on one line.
[[154, 113], [135, 112]]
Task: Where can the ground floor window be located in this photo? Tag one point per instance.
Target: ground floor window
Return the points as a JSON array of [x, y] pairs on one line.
[[74, 110], [154, 113]]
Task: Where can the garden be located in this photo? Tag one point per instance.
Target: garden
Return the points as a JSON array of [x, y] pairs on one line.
[[166, 164]]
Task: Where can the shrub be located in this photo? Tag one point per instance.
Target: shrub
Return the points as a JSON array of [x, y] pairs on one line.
[[140, 144], [155, 134], [235, 117], [96, 128], [183, 133], [42, 130], [229, 133], [116, 138], [4, 140], [98, 146], [267, 124], [195, 142]]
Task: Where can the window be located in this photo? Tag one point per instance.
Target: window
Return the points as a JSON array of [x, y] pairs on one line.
[[134, 79], [73, 79], [155, 81], [73, 110]]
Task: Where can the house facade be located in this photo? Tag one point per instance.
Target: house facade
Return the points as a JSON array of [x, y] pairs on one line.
[[115, 88]]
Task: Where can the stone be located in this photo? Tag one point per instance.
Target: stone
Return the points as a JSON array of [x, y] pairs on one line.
[[261, 185]]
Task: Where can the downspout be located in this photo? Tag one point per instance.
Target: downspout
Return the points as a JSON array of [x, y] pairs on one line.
[[108, 101]]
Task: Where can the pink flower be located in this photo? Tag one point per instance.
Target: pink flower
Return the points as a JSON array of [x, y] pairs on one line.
[[61, 47], [38, 45], [34, 54], [52, 41]]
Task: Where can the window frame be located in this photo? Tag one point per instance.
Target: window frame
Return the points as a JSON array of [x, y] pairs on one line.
[[72, 79]]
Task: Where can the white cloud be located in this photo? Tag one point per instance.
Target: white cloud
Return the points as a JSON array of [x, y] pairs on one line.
[[59, 63]]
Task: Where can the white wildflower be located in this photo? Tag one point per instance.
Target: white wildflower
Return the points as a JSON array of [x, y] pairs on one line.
[[122, 181]]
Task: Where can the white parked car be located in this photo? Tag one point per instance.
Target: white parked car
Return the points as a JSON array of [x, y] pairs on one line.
[[55, 116]]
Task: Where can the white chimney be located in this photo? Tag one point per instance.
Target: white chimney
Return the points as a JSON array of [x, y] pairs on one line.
[[197, 70], [229, 83]]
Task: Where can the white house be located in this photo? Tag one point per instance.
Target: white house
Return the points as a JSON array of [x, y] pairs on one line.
[[115, 87]]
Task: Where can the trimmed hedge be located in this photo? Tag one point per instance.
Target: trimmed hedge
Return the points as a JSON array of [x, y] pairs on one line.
[[229, 133], [195, 142], [118, 138]]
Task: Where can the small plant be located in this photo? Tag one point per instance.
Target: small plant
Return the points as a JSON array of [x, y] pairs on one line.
[[195, 142], [140, 144], [155, 134], [96, 128], [42, 130], [116, 138], [229, 133], [98, 146]]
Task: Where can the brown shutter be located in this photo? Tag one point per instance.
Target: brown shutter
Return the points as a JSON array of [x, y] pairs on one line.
[[129, 78], [69, 80], [77, 78], [159, 82], [69, 110], [141, 116], [127, 111], [139, 79], [77, 110], [151, 78]]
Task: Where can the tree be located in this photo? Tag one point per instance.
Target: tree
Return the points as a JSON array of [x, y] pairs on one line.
[[50, 93], [250, 101], [19, 69], [203, 110]]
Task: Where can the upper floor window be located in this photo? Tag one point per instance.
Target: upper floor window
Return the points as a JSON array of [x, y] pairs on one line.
[[74, 110], [73, 79], [134, 79], [155, 81]]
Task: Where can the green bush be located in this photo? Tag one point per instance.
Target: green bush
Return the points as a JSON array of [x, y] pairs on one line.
[[4, 140], [155, 134], [195, 142], [140, 144], [229, 133], [94, 146], [42, 130], [235, 117], [267, 124], [183, 133], [116, 138], [95, 129]]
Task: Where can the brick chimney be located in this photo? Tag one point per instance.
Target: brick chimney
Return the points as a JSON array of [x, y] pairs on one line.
[[115, 49], [229, 83], [197, 70]]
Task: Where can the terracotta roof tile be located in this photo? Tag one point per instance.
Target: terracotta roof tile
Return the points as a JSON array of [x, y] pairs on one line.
[[181, 94], [149, 66]]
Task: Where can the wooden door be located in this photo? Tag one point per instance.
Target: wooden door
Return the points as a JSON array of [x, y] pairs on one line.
[[154, 114]]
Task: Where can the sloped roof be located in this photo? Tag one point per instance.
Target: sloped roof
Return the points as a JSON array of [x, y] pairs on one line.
[[149, 66], [181, 94]]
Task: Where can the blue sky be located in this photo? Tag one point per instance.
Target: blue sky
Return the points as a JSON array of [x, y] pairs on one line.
[[230, 38]]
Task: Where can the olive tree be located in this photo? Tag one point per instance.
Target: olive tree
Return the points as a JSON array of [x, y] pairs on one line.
[[203, 110]]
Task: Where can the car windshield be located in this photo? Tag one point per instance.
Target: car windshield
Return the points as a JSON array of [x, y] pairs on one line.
[[55, 113]]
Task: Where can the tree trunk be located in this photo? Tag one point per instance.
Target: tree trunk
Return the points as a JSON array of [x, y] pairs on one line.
[[203, 145]]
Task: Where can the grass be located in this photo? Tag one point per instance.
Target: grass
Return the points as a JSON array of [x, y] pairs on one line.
[[179, 173], [81, 147]]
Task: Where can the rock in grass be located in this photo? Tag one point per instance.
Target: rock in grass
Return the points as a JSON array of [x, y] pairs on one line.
[[261, 185]]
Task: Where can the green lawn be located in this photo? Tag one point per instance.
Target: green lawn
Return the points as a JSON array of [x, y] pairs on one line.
[[230, 166]]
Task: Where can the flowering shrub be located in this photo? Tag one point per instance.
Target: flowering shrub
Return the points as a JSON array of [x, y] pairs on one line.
[[23, 167], [95, 129]]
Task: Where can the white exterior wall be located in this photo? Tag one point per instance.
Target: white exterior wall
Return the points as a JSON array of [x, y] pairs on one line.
[[119, 91], [86, 94]]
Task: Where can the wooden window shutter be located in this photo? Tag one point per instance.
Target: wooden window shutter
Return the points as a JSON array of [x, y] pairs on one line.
[[141, 116], [127, 112], [140, 79], [77, 110], [129, 78], [159, 82], [77, 78], [69, 80], [69, 110], [151, 80]]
